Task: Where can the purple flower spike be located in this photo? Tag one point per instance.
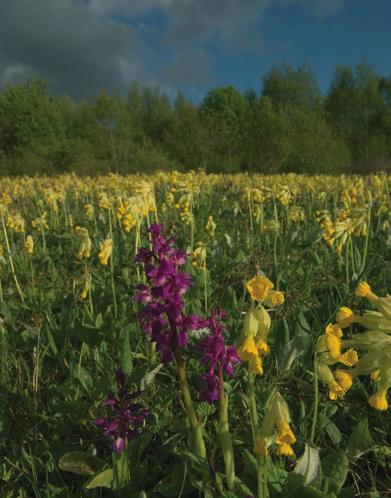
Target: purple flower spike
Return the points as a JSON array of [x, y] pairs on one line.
[[125, 417], [162, 316], [216, 356]]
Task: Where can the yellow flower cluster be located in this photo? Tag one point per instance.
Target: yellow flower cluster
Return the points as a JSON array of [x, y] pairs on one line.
[[198, 257], [106, 249], [276, 429], [29, 245], [253, 345], [374, 344], [85, 245]]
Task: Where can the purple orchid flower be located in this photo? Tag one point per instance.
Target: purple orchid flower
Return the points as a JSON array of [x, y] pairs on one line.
[[216, 356], [125, 416], [163, 316]]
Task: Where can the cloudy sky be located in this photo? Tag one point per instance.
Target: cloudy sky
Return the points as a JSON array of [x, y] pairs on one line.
[[83, 46]]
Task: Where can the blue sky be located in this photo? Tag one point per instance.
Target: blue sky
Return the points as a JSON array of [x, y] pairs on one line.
[[83, 46]]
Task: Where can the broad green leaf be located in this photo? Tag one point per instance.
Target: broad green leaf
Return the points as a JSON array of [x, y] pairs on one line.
[[81, 463], [360, 440], [335, 468], [309, 465], [309, 492], [331, 429], [102, 480]]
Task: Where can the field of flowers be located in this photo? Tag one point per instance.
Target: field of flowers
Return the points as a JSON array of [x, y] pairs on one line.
[[192, 335]]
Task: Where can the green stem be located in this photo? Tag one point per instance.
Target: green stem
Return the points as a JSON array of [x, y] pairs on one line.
[[205, 290], [32, 274], [112, 268], [197, 443], [316, 402], [275, 258], [10, 259], [261, 468], [225, 435], [364, 258]]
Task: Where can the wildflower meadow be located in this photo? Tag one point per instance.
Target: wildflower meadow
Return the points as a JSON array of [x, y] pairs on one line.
[[193, 335]]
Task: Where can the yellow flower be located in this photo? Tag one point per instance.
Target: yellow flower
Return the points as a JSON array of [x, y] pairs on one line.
[[284, 439], [255, 365], [326, 376], [375, 374], [275, 298], [344, 379], [198, 257], [128, 222], [211, 227], [335, 390], [277, 417], [379, 400], [248, 351], [363, 289], [106, 249], [86, 287], [104, 201], [84, 250], [29, 245], [262, 347], [333, 344], [89, 210], [334, 329], [349, 357], [259, 287], [344, 317]]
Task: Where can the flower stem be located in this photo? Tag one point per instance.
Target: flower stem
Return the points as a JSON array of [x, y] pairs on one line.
[[316, 402], [261, 468], [10, 259], [112, 268], [197, 443], [225, 435]]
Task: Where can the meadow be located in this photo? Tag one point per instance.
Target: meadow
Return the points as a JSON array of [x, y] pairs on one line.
[[193, 335]]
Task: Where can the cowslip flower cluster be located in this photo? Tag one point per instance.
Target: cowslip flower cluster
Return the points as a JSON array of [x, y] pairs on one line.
[[85, 244], [374, 344], [29, 245], [216, 356], [329, 347], [163, 315], [253, 345], [125, 416], [276, 429], [105, 252]]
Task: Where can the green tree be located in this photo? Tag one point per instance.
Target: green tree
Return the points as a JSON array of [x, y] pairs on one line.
[[265, 144], [222, 112], [29, 118], [288, 87]]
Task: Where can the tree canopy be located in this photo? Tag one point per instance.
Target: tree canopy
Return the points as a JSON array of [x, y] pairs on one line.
[[286, 125]]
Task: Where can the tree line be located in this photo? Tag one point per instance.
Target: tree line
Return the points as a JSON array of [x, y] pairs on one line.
[[289, 125]]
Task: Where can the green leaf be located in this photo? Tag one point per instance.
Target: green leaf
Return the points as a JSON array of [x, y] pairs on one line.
[[102, 480], [309, 492], [331, 429], [250, 463], [309, 465], [148, 378], [126, 352], [81, 463], [335, 468], [347, 492], [360, 440]]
